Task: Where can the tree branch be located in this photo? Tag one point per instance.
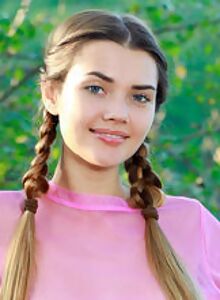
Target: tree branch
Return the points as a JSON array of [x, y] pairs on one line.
[[185, 26], [189, 137], [13, 88], [21, 56], [19, 17], [33, 71], [199, 133]]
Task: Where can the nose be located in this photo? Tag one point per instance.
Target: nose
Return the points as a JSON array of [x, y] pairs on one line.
[[114, 117], [116, 112]]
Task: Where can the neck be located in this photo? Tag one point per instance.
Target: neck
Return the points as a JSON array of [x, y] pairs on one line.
[[75, 174]]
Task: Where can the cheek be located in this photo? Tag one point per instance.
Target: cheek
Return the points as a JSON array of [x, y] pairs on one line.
[[143, 122], [78, 115]]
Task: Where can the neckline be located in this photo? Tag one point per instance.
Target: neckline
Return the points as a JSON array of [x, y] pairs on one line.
[[86, 201]]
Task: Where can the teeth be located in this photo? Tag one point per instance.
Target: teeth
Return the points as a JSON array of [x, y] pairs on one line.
[[111, 135]]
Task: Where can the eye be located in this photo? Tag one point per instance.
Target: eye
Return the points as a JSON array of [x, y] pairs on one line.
[[141, 98], [94, 89]]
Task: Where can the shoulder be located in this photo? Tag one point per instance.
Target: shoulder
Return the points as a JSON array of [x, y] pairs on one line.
[[180, 213], [188, 205], [11, 202], [182, 204], [194, 232], [186, 212], [10, 211]]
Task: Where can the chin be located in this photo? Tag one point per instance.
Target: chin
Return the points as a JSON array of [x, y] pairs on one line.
[[105, 163], [109, 160]]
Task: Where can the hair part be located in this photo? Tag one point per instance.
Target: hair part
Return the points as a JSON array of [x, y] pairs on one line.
[[146, 188]]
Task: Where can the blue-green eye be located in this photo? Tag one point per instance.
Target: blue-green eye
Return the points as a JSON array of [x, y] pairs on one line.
[[141, 98], [94, 89]]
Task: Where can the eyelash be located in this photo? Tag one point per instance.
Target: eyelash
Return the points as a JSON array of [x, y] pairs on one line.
[[91, 90], [147, 99]]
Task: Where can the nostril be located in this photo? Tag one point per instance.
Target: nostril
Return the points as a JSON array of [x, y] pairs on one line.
[[116, 117]]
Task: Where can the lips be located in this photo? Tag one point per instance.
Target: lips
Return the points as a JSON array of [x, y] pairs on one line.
[[112, 133]]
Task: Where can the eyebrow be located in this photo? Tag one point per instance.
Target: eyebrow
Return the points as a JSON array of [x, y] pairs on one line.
[[111, 80]]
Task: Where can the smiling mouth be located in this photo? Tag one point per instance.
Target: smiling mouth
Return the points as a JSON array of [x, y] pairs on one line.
[[110, 137], [110, 133]]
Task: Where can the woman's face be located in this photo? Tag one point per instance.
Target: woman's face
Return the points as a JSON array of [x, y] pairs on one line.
[[107, 103]]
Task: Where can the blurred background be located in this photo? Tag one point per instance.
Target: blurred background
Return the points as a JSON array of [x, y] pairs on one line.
[[185, 140]]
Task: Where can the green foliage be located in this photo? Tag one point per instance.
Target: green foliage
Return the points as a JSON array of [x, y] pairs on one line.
[[185, 140]]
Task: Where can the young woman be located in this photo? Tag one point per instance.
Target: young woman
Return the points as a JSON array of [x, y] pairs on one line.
[[84, 234]]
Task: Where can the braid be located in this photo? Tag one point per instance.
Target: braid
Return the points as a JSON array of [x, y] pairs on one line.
[[144, 183], [166, 265], [34, 181], [20, 261]]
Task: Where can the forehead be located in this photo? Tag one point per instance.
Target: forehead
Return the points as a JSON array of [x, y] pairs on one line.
[[122, 64]]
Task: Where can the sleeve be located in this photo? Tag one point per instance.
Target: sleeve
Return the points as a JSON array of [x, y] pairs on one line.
[[211, 235]]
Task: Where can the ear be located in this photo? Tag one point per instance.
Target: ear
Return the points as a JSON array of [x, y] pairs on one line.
[[49, 96]]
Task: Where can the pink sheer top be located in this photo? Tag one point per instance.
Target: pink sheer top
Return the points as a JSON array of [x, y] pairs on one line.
[[91, 247]]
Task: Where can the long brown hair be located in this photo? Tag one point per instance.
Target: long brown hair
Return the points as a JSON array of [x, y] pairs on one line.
[[146, 188]]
